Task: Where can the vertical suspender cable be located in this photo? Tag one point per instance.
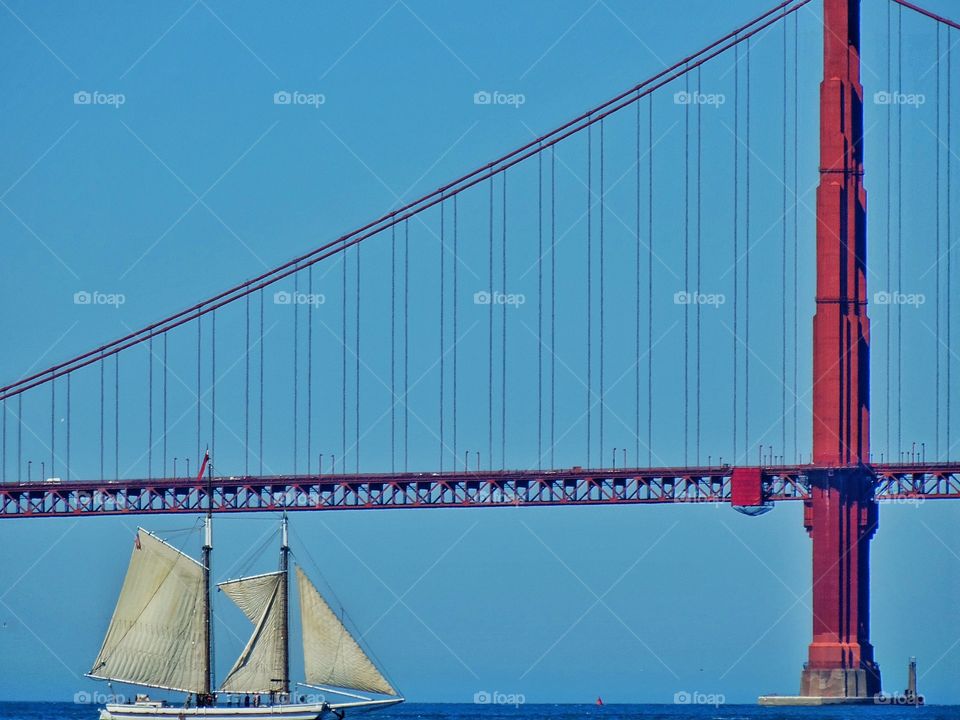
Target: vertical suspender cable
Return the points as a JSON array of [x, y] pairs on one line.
[[746, 270], [589, 286], [116, 415], [393, 350], [149, 408], [213, 383], [602, 293], [246, 388], [165, 405], [311, 306], [343, 363], [553, 299], [20, 436], [4, 440], [936, 142], [736, 246], [260, 447], [636, 275], [67, 470], [357, 366], [53, 427], [199, 344], [783, 266], [649, 285], [456, 338], [949, 275], [540, 310], [102, 413], [490, 335], [796, 219], [296, 373], [887, 315], [442, 338], [699, 249], [899, 230], [503, 337], [406, 340], [686, 272]]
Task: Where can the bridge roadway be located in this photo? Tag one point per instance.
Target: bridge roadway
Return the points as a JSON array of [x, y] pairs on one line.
[[750, 488]]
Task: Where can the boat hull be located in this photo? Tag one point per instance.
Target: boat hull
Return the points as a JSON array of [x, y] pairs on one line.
[[295, 711]]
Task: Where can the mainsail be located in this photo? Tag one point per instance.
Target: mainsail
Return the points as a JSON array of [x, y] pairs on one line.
[[260, 666], [330, 654], [156, 635]]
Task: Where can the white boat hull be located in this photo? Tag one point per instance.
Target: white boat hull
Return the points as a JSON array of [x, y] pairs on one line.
[[293, 711]]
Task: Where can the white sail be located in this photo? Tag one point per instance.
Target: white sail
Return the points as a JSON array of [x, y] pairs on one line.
[[156, 635], [260, 666], [330, 654]]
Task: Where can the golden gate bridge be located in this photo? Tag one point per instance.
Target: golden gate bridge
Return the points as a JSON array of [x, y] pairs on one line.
[[136, 384]]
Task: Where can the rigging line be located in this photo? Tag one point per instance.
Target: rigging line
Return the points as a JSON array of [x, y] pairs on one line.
[[553, 298], [490, 336], [503, 350], [311, 306], [456, 337], [393, 350], [336, 246], [686, 273], [260, 343], [406, 339], [539, 311], [442, 353], [649, 286], [736, 246], [296, 374], [246, 390], [589, 342], [149, 408]]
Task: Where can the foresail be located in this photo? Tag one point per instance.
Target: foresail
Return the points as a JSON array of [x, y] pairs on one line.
[[156, 635], [331, 656], [260, 666]]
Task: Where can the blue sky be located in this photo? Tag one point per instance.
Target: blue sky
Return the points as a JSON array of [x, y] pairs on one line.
[[198, 180]]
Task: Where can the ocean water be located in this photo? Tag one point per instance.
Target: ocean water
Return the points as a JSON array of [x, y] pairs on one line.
[[422, 711]]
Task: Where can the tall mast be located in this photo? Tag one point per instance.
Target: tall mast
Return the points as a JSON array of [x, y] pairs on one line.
[[285, 603], [207, 556]]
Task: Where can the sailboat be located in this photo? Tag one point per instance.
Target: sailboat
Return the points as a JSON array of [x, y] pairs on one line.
[[160, 636]]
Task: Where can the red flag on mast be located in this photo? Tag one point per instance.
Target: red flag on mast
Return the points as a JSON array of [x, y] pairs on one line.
[[203, 465]]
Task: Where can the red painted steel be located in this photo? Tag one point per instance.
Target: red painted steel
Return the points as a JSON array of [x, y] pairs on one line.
[[746, 487], [841, 514]]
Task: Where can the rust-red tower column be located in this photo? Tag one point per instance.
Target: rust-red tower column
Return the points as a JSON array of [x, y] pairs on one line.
[[841, 514]]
